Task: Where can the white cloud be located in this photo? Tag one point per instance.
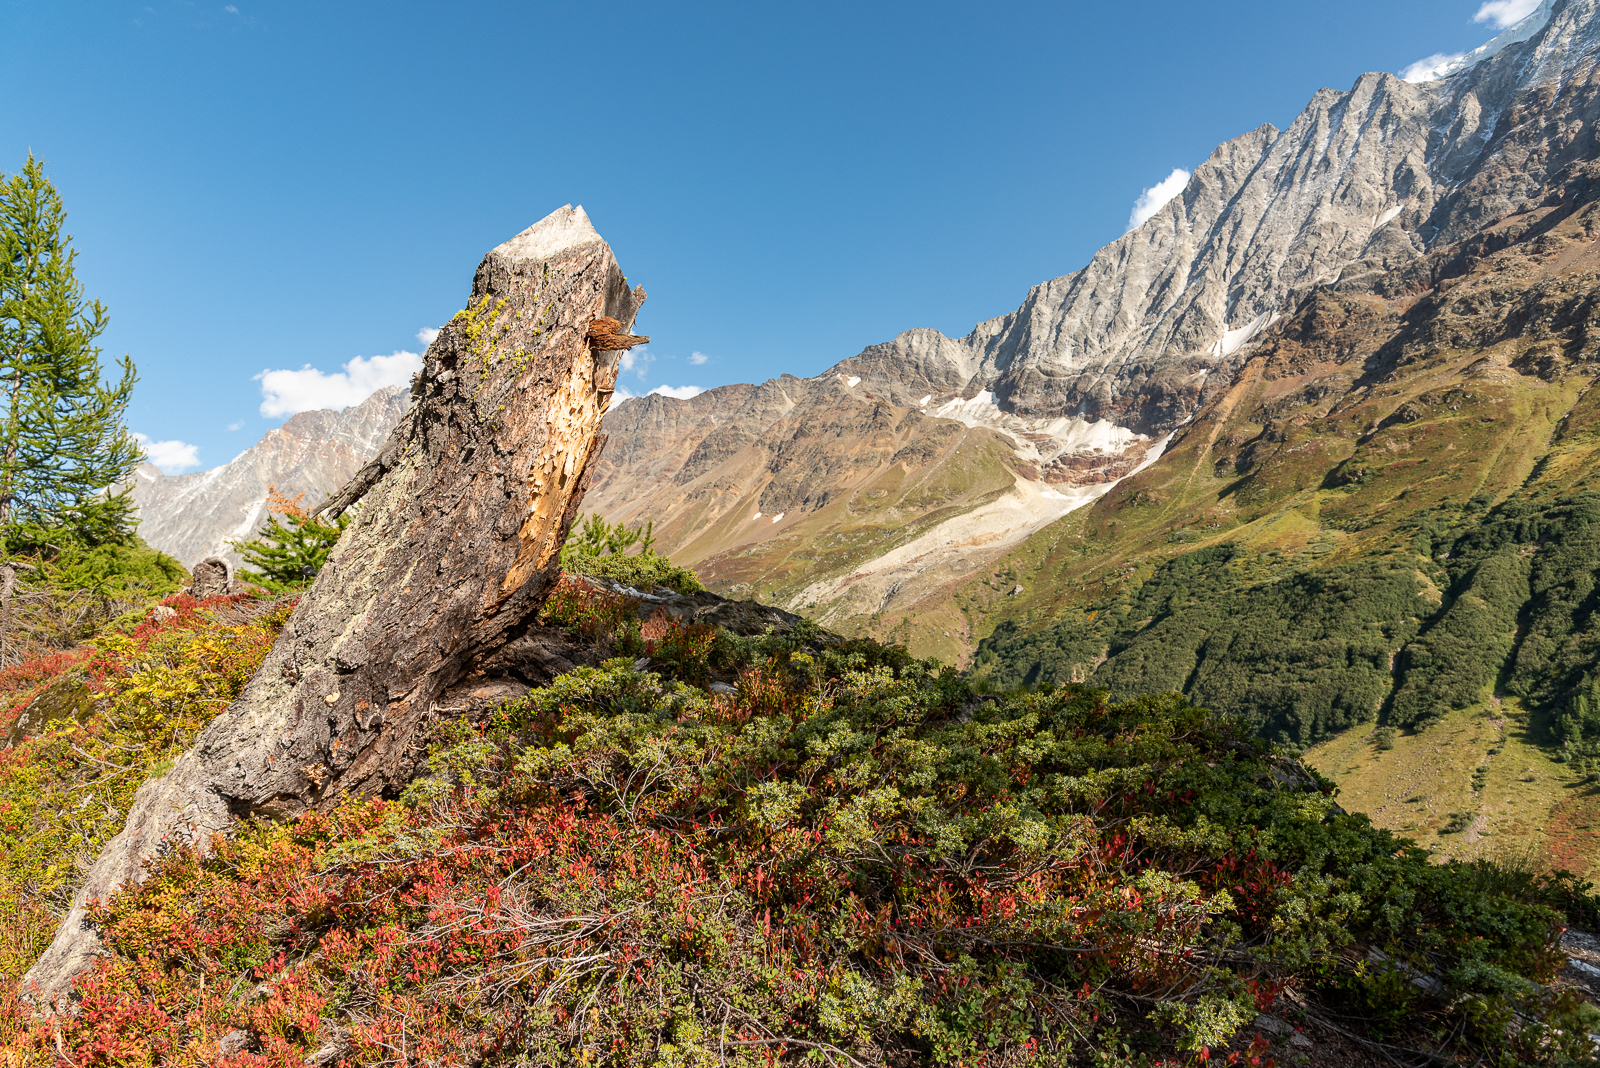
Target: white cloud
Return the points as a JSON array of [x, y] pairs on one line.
[[1428, 68], [698, 358], [237, 424], [172, 457], [230, 9], [1504, 13], [427, 334], [288, 392], [1156, 197], [636, 360], [678, 392]]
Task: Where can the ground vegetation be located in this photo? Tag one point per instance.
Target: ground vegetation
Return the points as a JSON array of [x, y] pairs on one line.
[[850, 856]]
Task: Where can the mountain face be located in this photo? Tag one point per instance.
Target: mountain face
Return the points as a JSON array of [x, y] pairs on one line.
[[1360, 183], [194, 516], [1372, 191]]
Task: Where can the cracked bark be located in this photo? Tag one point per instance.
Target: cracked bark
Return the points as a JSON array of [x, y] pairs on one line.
[[448, 559]]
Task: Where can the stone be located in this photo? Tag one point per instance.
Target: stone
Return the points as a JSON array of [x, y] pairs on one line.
[[66, 698], [234, 1041], [212, 577], [162, 613]]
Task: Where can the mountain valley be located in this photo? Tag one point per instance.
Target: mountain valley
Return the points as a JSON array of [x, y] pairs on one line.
[[1314, 444]]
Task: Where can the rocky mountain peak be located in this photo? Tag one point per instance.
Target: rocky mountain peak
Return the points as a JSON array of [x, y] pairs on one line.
[[196, 515], [1361, 182], [924, 458]]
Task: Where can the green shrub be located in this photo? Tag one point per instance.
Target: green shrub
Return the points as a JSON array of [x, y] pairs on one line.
[[1384, 738], [595, 537], [643, 573], [73, 580], [849, 858], [596, 547]]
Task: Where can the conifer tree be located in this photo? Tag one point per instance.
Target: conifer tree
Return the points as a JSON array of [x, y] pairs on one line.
[[62, 438], [289, 551]]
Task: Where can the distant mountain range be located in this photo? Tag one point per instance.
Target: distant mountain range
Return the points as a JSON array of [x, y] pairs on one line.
[[196, 515], [904, 471]]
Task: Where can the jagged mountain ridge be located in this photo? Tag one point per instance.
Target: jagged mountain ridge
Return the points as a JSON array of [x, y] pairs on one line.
[[1097, 366], [194, 516], [1361, 182]]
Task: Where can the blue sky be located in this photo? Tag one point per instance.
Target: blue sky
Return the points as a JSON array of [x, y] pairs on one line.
[[262, 186]]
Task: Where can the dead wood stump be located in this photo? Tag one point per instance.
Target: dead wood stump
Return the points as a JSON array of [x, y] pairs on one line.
[[450, 554]]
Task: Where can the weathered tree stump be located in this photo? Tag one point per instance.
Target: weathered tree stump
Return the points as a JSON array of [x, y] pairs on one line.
[[211, 577], [448, 559]]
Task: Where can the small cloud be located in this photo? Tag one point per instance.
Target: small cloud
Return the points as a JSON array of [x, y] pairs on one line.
[[1155, 198], [622, 393], [288, 392], [698, 358], [1503, 13], [230, 9], [637, 360], [676, 392], [1428, 68], [237, 424], [172, 457], [427, 334]]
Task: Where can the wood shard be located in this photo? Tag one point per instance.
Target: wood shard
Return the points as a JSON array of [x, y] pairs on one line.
[[606, 334]]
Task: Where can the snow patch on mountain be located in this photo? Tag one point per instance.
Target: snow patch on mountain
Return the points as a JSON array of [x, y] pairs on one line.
[[1040, 440], [1439, 67], [1028, 507]]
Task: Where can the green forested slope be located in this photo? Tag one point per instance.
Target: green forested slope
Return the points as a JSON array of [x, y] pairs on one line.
[[1392, 514]]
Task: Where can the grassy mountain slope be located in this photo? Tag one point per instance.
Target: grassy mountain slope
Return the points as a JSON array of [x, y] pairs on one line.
[[805, 482]]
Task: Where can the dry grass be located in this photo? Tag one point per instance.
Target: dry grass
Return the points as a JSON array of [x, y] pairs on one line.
[[1522, 803]]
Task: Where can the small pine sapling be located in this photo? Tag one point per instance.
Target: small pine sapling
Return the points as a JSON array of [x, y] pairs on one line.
[[291, 549], [596, 537], [596, 547]]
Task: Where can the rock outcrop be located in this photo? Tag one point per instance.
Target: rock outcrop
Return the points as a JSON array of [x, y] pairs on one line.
[[211, 577], [445, 565], [194, 516]]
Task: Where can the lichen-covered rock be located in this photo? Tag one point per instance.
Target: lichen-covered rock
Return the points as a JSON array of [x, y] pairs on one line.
[[66, 698]]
